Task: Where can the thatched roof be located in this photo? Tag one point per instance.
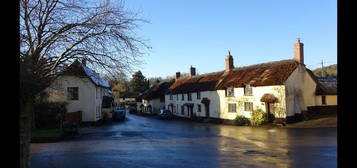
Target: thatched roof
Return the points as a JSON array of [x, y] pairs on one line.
[[155, 91], [128, 95], [269, 98], [80, 70], [265, 74]]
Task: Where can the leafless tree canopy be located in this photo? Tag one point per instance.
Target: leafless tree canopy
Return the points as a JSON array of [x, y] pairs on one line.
[[55, 32]]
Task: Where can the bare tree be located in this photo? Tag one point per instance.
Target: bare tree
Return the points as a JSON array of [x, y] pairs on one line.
[[53, 33]]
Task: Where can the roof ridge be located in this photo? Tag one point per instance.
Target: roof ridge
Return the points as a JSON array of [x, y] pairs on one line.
[[264, 64]]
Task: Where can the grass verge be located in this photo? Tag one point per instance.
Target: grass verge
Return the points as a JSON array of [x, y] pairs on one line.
[[47, 133]]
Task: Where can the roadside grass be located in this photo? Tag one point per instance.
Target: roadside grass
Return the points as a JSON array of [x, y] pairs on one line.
[[47, 133]]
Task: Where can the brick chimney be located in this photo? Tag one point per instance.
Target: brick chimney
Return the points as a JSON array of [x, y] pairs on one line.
[[192, 71], [229, 62], [299, 52], [178, 75]]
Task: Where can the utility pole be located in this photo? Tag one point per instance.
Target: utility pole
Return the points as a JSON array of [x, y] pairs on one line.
[[322, 68]]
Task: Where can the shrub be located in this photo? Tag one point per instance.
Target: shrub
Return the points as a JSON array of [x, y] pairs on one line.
[[258, 117], [241, 120], [47, 114], [105, 119]]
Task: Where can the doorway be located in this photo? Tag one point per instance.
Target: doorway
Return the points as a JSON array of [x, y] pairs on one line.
[[270, 115], [207, 110]]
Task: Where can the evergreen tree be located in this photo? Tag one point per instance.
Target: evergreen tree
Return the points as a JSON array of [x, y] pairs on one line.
[[139, 83]]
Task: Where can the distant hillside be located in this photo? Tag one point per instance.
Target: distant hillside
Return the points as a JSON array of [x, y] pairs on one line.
[[330, 70]]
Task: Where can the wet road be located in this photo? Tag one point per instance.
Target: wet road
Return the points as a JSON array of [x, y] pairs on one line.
[[143, 142]]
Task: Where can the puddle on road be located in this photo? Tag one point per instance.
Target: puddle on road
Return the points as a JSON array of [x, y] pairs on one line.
[[130, 133]]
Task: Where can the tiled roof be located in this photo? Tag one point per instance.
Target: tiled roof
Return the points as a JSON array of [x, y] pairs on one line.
[[265, 74], [327, 86]]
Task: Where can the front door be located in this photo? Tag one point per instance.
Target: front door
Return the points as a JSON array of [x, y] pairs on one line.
[[190, 111], [270, 115], [207, 110]]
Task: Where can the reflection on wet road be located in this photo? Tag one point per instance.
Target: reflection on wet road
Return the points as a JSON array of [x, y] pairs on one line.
[[151, 143]]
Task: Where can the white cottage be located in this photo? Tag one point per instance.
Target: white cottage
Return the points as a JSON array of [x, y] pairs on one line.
[[282, 88], [82, 88], [152, 100]]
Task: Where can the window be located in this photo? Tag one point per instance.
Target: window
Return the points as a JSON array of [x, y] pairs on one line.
[[72, 93], [170, 96], [198, 108], [230, 92], [247, 90], [177, 97], [248, 106], [189, 96], [232, 107], [182, 109], [183, 97], [323, 99], [198, 95]]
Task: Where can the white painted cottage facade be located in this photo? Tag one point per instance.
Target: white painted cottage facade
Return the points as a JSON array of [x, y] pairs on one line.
[[153, 99], [284, 88], [83, 90]]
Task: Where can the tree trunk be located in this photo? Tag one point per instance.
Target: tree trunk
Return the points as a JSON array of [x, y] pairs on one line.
[[25, 133]]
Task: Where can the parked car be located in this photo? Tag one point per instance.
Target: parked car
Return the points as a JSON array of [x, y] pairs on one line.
[[132, 109], [165, 114], [119, 113]]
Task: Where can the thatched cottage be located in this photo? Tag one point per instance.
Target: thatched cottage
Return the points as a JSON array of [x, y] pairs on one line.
[[282, 88], [153, 99], [82, 88]]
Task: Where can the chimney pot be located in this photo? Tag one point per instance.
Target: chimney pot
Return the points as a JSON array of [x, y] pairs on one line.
[[178, 75], [192, 71]]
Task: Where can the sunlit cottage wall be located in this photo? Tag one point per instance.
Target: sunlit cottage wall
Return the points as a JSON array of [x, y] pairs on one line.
[[300, 91], [153, 99], [278, 109], [90, 96], [218, 107], [331, 100], [153, 105]]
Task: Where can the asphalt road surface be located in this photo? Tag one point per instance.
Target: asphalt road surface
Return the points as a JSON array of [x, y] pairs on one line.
[[147, 142]]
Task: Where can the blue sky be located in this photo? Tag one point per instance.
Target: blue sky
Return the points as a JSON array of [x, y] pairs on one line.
[[200, 33]]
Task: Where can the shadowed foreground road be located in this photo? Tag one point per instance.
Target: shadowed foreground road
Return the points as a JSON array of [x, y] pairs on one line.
[[142, 142]]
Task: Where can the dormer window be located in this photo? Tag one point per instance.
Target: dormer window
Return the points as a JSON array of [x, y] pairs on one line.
[[230, 92], [248, 90]]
